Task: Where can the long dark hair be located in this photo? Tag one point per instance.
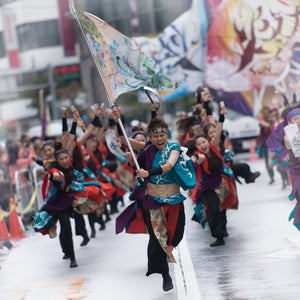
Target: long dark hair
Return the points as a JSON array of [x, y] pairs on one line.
[[207, 127], [191, 145], [77, 159], [13, 153]]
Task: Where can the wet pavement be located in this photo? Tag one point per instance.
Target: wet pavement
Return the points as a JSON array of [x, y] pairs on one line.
[[261, 257], [260, 260]]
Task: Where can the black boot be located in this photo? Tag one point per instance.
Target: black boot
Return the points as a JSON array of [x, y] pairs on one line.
[[93, 234], [167, 282], [101, 222], [271, 174], [73, 263], [85, 241], [252, 177], [66, 256], [107, 216], [218, 242]]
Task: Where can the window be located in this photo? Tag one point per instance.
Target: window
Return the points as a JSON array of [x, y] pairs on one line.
[[39, 34], [161, 20], [143, 6], [158, 4], [2, 46], [145, 24]]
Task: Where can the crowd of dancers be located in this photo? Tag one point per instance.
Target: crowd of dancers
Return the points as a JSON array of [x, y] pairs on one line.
[[82, 175]]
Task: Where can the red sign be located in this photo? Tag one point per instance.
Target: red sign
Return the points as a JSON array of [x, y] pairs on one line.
[[66, 28], [11, 41]]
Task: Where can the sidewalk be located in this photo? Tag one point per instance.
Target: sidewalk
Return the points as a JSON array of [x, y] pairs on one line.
[[110, 267]]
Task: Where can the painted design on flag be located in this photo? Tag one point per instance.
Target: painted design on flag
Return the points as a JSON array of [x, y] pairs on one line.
[[112, 143], [234, 47], [180, 49], [250, 44], [120, 61]]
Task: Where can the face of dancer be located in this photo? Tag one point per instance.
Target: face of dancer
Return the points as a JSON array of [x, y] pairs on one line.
[[159, 140], [202, 145], [49, 151], [64, 160], [140, 138], [211, 133], [295, 120]]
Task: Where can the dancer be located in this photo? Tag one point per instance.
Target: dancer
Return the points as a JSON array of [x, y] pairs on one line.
[[68, 195], [265, 123], [210, 161], [160, 212], [280, 162], [279, 143], [240, 169], [58, 205]]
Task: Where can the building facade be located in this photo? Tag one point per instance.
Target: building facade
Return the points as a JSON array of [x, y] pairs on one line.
[[37, 42], [40, 42]]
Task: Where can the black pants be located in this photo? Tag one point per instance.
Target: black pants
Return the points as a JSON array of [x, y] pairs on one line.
[[114, 203], [157, 257], [65, 235], [241, 170], [80, 228], [93, 218], [216, 218]]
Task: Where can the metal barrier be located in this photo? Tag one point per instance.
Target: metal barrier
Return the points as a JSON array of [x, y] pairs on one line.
[[29, 189], [38, 174]]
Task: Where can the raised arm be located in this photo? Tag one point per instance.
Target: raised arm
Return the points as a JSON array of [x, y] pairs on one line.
[[137, 146], [93, 126], [71, 143], [216, 141], [65, 132], [174, 155], [206, 98]]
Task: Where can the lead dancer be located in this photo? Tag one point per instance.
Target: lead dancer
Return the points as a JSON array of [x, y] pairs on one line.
[[160, 203]]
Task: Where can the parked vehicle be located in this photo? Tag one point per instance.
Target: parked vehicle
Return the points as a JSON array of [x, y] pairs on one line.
[[242, 129], [54, 128]]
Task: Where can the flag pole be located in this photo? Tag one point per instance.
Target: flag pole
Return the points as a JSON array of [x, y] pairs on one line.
[[111, 103]]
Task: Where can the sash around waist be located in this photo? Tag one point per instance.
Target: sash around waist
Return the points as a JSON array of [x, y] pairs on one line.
[[162, 190]]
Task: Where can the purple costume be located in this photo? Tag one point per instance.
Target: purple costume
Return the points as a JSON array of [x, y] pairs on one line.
[[276, 144]]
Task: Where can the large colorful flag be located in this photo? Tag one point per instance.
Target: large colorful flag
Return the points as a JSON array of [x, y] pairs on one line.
[[121, 63], [241, 49], [180, 49], [250, 44]]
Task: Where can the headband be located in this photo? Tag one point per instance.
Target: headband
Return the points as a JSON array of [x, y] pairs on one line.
[[58, 152], [49, 143], [139, 132], [158, 130], [292, 113]]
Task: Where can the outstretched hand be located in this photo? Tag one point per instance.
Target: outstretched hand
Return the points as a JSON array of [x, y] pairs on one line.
[[57, 176], [141, 173], [115, 115], [223, 111]]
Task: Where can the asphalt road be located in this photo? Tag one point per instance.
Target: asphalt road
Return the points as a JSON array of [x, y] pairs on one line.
[[260, 259]]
